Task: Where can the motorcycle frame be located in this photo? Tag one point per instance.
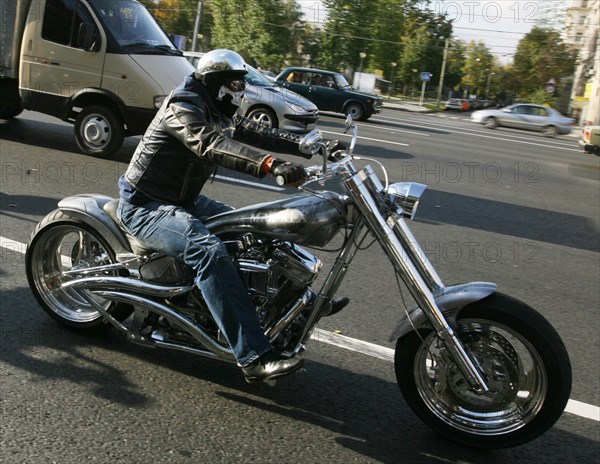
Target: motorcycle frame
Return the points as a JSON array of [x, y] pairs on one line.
[[435, 302]]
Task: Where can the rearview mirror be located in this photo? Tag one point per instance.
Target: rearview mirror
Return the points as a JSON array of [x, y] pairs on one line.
[[311, 142], [86, 36]]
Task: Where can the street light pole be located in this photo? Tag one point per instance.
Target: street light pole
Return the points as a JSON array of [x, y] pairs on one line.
[[196, 25], [441, 83], [487, 86], [362, 56]]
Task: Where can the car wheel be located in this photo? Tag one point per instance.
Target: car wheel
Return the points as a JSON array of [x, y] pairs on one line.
[[491, 123], [550, 131], [355, 110], [264, 116]]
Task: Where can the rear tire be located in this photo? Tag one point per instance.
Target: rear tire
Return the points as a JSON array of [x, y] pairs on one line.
[[61, 243], [522, 359], [8, 112]]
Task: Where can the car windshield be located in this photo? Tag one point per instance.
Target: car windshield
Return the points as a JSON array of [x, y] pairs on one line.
[[255, 77], [134, 28], [341, 81]]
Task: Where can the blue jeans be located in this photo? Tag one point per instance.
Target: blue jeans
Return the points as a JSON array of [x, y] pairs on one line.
[[180, 233]]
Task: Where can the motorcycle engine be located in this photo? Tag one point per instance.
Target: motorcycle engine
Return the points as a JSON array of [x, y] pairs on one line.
[[276, 277]]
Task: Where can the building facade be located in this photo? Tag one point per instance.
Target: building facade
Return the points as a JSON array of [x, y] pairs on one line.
[[582, 30]]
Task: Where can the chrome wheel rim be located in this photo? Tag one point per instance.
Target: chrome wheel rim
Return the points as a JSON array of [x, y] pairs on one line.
[[262, 118], [511, 366], [61, 249]]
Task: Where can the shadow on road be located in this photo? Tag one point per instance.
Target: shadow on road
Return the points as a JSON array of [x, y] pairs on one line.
[[355, 411], [510, 219]]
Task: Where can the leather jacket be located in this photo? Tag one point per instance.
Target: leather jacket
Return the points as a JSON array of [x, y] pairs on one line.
[[186, 141]]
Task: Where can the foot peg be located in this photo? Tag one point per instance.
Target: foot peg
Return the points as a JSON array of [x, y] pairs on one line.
[[336, 305]]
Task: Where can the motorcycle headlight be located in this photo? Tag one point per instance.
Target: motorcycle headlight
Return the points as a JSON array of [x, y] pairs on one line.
[[406, 195]]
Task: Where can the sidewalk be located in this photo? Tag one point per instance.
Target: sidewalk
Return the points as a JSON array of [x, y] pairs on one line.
[[414, 107], [404, 106]]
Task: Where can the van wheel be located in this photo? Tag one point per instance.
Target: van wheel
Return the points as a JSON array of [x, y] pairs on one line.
[[8, 112], [99, 131]]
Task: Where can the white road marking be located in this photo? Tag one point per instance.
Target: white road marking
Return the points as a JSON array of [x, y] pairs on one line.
[[338, 134], [578, 408], [476, 132]]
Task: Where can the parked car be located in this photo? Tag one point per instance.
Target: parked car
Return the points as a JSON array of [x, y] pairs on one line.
[[270, 105], [330, 91], [526, 116], [458, 104], [590, 139]]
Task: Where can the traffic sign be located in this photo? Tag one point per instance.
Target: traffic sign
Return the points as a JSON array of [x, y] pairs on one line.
[[426, 76]]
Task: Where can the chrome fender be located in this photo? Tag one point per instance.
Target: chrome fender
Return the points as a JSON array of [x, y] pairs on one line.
[[450, 301], [88, 208]]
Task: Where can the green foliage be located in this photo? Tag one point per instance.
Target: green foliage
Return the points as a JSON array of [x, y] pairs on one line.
[[264, 32], [540, 97], [541, 56]]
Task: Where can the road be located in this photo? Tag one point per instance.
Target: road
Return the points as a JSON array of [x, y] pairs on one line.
[[506, 206]]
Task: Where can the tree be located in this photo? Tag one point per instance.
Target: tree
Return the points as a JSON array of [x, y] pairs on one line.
[[541, 55], [264, 32], [477, 66]]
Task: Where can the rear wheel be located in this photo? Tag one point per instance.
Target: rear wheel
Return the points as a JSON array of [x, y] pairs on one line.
[[61, 243], [9, 111], [520, 356], [99, 131]]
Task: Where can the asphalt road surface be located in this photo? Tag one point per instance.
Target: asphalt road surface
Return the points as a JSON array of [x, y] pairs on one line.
[[503, 205]]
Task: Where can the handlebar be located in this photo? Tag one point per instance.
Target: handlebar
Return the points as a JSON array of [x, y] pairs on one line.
[[313, 143]]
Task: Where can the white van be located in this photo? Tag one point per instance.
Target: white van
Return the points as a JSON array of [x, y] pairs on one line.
[[104, 65]]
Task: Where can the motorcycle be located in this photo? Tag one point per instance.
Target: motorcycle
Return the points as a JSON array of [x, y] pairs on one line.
[[479, 367]]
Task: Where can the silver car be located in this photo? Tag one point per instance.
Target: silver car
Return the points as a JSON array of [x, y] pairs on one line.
[[270, 105], [526, 116]]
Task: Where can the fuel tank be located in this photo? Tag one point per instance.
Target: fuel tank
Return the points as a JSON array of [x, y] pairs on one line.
[[303, 219]]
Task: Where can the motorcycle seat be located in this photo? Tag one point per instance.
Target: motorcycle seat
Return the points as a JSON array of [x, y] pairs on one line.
[[137, 246]]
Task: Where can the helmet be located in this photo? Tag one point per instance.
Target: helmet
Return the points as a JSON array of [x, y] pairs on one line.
[[221, 62]]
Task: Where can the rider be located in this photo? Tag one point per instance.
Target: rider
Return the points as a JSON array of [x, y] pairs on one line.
[[196, 130]]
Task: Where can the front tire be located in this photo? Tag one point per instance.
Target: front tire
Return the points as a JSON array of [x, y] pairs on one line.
[[264, 116], [61, 243], [99, 131], [491, 123], [522, 359], [356, 111], [550, 131]]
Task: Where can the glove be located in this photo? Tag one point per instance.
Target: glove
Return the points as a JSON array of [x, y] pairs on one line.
[[332, 147], [288, 173]]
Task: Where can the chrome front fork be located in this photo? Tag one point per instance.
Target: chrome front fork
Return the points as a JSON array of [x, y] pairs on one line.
[[412, 265]]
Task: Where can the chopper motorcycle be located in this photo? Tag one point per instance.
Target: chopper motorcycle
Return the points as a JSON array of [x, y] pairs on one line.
[[479, 367]]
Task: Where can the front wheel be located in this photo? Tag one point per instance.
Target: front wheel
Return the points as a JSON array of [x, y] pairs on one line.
[[61, 243], [99, 131], [522, 359], [264, 116], [491, 123], [356, 111]]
